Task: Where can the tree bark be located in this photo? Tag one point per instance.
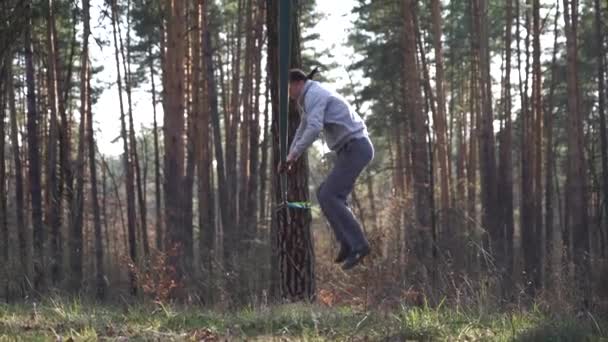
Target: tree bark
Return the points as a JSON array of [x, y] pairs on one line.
[[602, 108], [19, 196], [205, 199], [174, 132], [577, 219], [129, 186], [413, 105], [157, 184], [292, 263], [549, 161], [39, 232], [506, 160], [99, 270], [441, 124], [52, 199]]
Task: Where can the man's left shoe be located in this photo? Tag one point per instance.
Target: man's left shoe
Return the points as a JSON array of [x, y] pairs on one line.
[[355, 257], [343, 254]]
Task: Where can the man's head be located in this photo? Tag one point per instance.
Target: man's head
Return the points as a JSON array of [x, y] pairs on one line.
[[297, 80]]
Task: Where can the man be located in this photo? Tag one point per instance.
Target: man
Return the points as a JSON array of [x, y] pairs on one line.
[[346, 134]]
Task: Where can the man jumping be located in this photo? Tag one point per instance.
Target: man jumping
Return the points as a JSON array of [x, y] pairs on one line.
[[345, 133]]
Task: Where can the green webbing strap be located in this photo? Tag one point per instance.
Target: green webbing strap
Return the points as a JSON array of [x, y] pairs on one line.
[[284, 64]]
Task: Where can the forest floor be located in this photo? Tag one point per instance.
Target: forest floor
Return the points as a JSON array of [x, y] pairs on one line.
[[76, 321]]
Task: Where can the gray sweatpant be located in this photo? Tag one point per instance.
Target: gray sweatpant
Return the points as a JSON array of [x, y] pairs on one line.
[[333, 192]]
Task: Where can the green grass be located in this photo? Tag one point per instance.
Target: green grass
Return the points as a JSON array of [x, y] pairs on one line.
[[90, 322]]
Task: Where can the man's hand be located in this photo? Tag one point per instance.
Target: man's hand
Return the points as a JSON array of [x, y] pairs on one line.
[[288, 166]]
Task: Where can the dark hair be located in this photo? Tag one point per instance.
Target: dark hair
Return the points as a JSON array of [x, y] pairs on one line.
[[299, 75]]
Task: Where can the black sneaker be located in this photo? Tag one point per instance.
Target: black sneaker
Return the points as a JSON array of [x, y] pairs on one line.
[[355, 257], [343, 254]]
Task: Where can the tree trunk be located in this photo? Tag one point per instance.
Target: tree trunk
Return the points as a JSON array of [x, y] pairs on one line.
[[205, 199], [174, 132], [129, 186], [549, 161], [577, 219], [412, 96], [20, 215], [537, 142], [441, 124], [506, 160], [99, 270], [231, 251], [5, 243], [264, 150], [52, 199], [157, 189], [39, 232], [602, 108], [292, 263]]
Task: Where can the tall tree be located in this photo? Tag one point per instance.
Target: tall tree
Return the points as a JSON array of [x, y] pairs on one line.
[[129, 182], [34, 156], [52, 199], [292, 263], [601, 77], [576, 183], [440, 121], [506, 156], [99, 270], [173, 105], [413, 104], [19, 196]]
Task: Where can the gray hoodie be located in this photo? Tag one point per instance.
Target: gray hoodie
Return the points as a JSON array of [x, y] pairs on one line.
[[324, 109]]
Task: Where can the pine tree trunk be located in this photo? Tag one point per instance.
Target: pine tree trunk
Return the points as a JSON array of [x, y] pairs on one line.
[[99, 270], [506, 160], [412, 96], [39, 232], [549, 162], [157, 184], [264, 150], [537, 141], [602, 110], [19, 196], [174, 132], [205, 199], [292, 260], [129, 186], [5, 243], [577, 219], [441, 124], [52, 199]]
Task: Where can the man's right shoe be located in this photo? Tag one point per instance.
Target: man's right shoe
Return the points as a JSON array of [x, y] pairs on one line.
[[343, 254], [355, 257]]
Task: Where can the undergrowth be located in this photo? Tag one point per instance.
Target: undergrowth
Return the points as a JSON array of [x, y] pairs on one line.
[[78, 320]]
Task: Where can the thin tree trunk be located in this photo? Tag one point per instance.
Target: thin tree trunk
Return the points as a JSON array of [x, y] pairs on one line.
[[52, 198], [20, 216], [126, 64], [506, 160], [6, 257], [602, 109], [205, 199], [549, 161], [99, 270], [441, 124], [577, 219], [157, 184], [129, 187], [537, 141], [412, 96], [39, 232], [264, 150]]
